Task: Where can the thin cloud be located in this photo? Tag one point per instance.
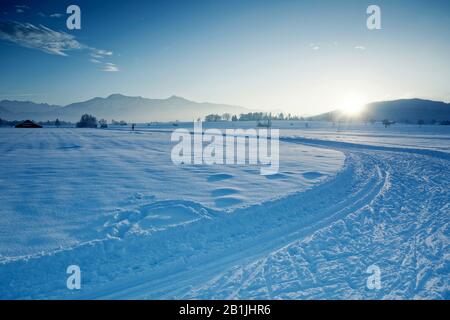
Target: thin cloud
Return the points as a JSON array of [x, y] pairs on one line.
[[103, 52], [110, 67], [50, 41], [22, 6], [362, 48], [39, 37], [56, 15]]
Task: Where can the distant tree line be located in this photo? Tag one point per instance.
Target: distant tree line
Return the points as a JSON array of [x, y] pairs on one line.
[[251, 116], [56, 123], [420, 122], [119, 123], [6, 123]]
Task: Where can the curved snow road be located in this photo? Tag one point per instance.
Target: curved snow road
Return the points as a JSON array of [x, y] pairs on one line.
[[402, 228], [388, 208], [252, 233]]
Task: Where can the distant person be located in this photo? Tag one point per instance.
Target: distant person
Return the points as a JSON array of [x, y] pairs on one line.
[[132, 127]]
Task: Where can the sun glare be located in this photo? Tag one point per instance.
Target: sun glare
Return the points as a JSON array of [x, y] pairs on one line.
[[352, 104]]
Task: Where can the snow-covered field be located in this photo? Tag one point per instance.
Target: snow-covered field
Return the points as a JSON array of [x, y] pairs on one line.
[[112, 202]]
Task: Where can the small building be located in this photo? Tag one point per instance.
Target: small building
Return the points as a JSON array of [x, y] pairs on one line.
[[28, 124]]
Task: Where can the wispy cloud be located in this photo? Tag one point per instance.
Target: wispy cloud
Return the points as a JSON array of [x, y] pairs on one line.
[[39, 37], [22, 6], [314, 46], [56, 15], [50, 41], [103, 52], [110, 67], [362, 48]]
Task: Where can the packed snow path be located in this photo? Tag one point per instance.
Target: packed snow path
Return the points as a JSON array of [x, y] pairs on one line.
[[400, 223], [388, 207]]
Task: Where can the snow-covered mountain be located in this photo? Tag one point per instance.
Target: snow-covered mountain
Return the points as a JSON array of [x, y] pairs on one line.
[[411, 110], [19, 110], [27, 107], [118, 107], [139, 109], [404, 110]]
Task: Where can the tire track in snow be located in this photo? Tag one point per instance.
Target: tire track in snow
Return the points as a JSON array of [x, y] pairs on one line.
[[258, 246], [346, 247]]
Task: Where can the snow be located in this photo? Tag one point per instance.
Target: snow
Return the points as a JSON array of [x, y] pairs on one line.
[[112, 202]]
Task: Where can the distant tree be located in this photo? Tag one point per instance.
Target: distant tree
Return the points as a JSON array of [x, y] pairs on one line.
[[445, 123], [87, 121], [103, 123], [234, 118], [57, 123], [386, 123], [213, 118], [433, 122], [226, 117], [420, 122]]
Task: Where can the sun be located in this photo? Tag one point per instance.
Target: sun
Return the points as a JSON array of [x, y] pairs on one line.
[[352, 104]]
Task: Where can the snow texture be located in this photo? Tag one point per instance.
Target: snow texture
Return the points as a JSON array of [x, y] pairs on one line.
[[113, 203]]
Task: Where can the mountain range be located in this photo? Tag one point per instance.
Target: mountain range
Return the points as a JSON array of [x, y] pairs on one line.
[[139, 109], [118, 107], [403, 110]]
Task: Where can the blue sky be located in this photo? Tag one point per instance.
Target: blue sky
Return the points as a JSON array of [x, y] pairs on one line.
[[302, 57]]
